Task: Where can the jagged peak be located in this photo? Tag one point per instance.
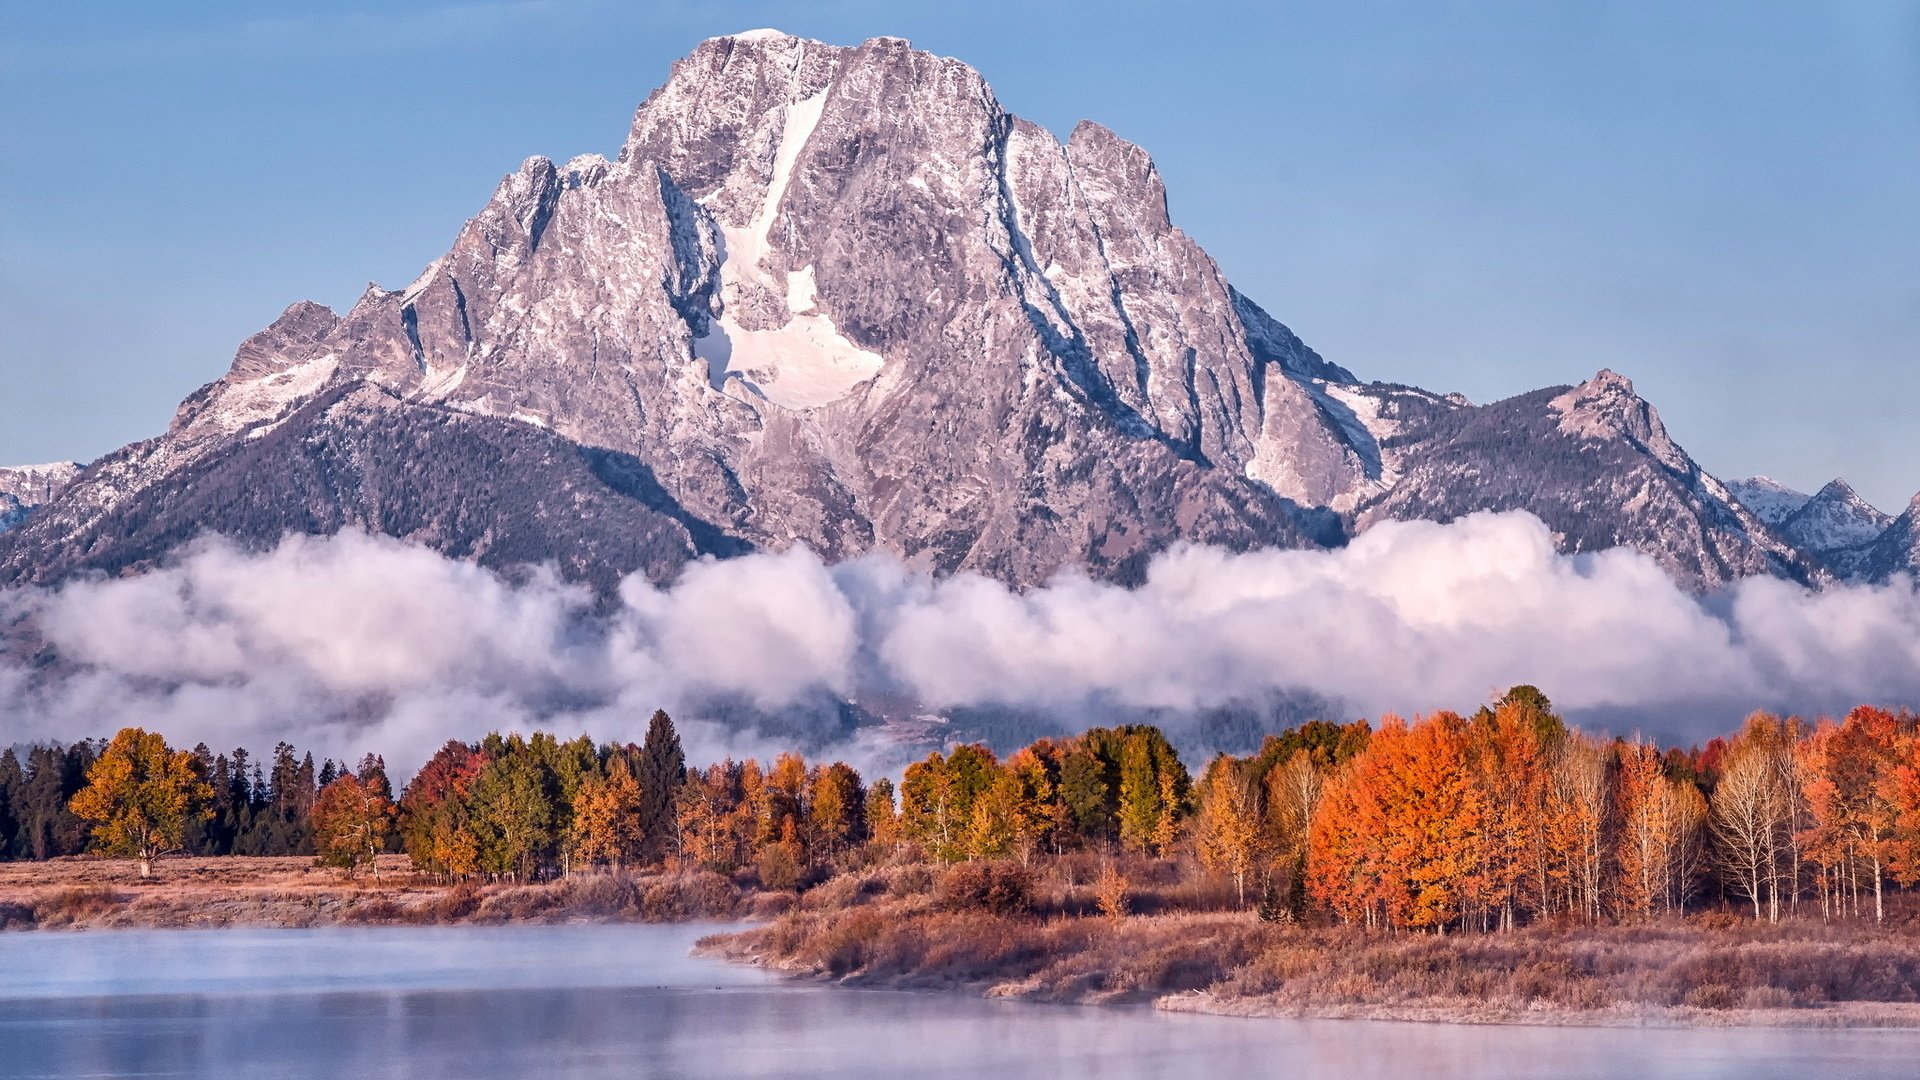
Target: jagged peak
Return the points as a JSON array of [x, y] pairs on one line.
[[1606, 407], [1838, 490], [1110, 168]]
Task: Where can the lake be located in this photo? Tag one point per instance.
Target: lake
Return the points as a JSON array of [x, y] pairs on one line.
[[482, 1003]]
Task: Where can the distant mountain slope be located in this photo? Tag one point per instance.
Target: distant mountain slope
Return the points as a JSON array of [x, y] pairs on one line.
[[26, 487], [1592, 461]]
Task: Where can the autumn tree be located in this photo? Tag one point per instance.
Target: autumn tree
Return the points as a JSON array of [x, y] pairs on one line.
[[1851, 795], [436, 812], [142, 797], [352, 821], [1398, 840], [1752, 815], [605, 825], [1228, 833], [705, 817], [836, 810], [882, 816], [937, 796], [1644, 806], [1576, 816]]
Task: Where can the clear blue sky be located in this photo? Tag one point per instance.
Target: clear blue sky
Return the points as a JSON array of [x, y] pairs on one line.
[[1720, 200]]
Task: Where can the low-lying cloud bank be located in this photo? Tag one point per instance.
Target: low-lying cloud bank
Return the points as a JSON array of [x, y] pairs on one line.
[[353, 642]]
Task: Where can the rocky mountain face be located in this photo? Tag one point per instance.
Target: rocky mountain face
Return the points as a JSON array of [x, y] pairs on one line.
[[1833, 527], [839, 296], [1592, 461], [1895, 551], [24, 488]]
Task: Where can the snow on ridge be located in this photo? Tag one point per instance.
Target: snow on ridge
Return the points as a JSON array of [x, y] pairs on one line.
[[805, 362], [1770, 500]]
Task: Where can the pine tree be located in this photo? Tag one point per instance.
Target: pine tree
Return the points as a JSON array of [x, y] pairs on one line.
[[661, 771]]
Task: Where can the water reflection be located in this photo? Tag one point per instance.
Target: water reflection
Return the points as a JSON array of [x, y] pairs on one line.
[[479, 1004]]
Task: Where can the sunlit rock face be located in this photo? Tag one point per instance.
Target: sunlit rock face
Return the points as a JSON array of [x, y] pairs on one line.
[[838, 296]]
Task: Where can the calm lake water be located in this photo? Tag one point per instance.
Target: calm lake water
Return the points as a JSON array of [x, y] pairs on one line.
[[626, 1001]]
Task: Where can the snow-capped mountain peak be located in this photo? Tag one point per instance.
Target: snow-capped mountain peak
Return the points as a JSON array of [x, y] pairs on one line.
[[1835, 517], [1770, 500]]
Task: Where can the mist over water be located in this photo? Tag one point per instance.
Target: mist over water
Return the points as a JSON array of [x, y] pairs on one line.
[[478, 1003], [352, 643]]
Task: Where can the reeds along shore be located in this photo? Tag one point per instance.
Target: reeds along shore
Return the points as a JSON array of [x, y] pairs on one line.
[[1186, 948]]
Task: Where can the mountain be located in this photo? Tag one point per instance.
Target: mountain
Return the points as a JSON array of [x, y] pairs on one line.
[[1594, 463], [1834, 527], [1835, 518], [839, 296], [24, 488], [1895, 551], [1770, 500]]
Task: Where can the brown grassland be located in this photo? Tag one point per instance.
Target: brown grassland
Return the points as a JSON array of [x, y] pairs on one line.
[[77, 893], [1181, 946], [1185, 949]]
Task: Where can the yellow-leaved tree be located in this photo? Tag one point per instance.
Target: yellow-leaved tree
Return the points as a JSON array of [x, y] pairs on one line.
[[142, 797]]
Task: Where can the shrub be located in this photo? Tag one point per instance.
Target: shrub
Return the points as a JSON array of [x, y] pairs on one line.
[[999, 888], [779, 866], [76, 905], [1111, 893], [914, 880], [702, 894]]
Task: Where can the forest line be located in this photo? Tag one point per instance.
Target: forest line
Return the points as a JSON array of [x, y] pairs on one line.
[[1500, 819]]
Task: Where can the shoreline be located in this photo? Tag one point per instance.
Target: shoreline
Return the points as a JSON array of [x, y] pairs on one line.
[[1849, 1016], [1208, 963], [1692, 974]]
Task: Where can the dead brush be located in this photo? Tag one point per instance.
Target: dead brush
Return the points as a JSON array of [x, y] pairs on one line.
[[76, 905]]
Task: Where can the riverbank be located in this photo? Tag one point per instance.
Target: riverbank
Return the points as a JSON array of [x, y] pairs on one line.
[[1682, 973], [83, 893], [910, 927]]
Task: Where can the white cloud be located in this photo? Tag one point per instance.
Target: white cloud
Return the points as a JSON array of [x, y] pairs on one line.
[[354, 642]]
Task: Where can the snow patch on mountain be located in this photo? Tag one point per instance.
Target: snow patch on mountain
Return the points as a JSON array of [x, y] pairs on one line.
[[1770, 500], [1836, 517], [805, 362]]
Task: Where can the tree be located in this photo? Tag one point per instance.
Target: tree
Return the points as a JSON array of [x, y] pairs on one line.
[[705, 817], [1150, 790], [1643, 802], [661, 770], [1851, 799], [142, 797], [1229, 827], [1576, 824], [836, 810], [515, 810], [352, 821], [937, 796], [1293, 789], [436, 815], [1751, 814], [882, 817], [1399, 840], [605, 826]]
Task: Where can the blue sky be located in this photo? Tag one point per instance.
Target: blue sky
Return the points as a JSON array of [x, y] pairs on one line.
[[1720, 200]]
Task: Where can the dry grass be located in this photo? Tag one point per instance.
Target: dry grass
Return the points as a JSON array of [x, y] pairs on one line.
[[1704, 970], [79, 893]]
